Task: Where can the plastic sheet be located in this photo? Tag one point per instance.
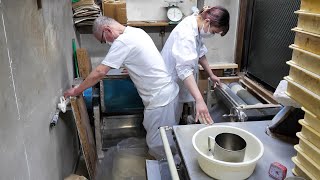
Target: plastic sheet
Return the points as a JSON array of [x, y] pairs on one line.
[[125, 161], [281, 97]]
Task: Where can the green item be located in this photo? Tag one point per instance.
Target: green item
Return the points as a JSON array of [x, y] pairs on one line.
[[74, 1], [74, 48]]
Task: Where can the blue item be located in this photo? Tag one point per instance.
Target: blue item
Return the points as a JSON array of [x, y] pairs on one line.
[[87, 95], [120, 96]]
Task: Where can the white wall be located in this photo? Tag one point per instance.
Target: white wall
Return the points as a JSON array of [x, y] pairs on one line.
[[222, 49], [146, 10]]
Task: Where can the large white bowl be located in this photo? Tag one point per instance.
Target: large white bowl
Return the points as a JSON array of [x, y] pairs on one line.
[[221, 169]]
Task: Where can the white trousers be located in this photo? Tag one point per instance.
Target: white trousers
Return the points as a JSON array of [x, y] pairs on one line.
[[168, 115]]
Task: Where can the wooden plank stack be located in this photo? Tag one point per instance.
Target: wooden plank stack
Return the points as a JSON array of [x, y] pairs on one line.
[[85, 12], [304, 87]]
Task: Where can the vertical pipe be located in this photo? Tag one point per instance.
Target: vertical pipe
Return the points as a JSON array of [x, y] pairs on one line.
[[172, 166]]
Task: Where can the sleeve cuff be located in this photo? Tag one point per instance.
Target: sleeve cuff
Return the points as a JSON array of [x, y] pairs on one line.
[[184, 74], [110, 65]]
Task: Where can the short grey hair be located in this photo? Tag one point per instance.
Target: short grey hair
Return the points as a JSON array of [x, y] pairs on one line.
[[99, 22]]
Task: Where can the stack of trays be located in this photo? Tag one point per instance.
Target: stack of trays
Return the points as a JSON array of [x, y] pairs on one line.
[[85, 12], [304, 87]]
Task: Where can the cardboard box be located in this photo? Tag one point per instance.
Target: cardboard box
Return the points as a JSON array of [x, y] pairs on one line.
[[116, 10]]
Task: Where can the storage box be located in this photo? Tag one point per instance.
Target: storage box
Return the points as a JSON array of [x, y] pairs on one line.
[[306, 59], [120, 96], [307, 41], [301, 171], [309, 149], [116, 10], [311, 120], [303, 96], [307, 162], [310, 134], [310, 6], [309, 22], [305, 78], [121, 15], [119, 127]]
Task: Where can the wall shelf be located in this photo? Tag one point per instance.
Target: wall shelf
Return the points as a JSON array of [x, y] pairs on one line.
[[147, 23], [88, 29], [222, 66]]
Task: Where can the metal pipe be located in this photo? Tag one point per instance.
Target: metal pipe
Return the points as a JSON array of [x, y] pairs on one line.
[[55, 118], [172, 166], [243, 94], [229, 98], [259, 106], [236, 98]]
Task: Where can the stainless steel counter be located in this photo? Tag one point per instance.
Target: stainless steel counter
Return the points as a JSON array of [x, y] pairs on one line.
[[275, 150]]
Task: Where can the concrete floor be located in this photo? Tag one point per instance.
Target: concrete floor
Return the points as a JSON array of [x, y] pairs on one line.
[[127, 160]]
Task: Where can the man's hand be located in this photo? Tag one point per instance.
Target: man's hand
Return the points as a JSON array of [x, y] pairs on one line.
[[71, 92], [203, 113], [215, 80], [124, 71]]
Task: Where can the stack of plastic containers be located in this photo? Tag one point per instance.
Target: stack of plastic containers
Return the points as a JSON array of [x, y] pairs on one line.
[[304, 87]]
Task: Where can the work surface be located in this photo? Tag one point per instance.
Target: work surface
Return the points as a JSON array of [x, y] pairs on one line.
[[275, 150]]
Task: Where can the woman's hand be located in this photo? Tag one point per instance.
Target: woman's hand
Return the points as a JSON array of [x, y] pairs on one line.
[[215, 80], [203, 113]]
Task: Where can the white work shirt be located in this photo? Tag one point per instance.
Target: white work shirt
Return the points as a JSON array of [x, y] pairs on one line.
[[181, 53], [135, 50]]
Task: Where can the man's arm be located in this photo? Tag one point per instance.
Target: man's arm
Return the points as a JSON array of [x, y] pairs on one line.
[[201, 107], [204, 63], [94, 77]]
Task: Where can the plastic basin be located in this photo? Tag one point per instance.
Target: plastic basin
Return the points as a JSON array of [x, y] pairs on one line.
[[221, 169]]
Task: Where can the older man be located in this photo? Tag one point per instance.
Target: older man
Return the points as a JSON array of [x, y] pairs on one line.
[[134, 49]]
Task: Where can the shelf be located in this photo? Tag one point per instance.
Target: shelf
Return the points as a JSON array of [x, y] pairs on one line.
[[147, 23], [307, 13], [88, 29], [222, 66]]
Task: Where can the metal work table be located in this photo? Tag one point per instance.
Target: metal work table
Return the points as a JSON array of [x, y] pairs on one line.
[[275, 150]]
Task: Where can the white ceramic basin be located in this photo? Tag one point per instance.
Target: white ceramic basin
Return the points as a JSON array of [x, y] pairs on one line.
[[221, 169]]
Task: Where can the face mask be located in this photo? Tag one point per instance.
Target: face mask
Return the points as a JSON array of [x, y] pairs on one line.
[[205, 34], [110, 43]]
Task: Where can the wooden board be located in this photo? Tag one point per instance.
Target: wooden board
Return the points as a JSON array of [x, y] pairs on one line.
[[222, 66], [84, 62], [147, 23], [96, 115], [231, 79], [241, 32], [258, 90], [85, 134]]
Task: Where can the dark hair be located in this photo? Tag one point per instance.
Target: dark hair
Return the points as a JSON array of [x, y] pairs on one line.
[[219, 17]]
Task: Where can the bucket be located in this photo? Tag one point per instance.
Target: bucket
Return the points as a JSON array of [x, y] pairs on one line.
[[228, 147]]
